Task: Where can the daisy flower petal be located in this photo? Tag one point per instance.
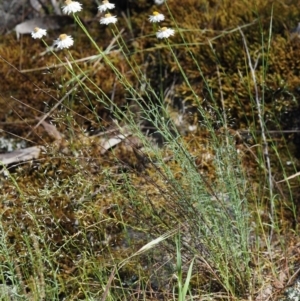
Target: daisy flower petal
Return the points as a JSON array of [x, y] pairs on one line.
[[107, 19], [106, 5], [38, 33], [64, 41], [156, 17], [71, 7], [165, 32]]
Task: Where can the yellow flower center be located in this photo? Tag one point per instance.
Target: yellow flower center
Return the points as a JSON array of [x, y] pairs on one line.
[[107, 15], [105, 1], [155, 13], [62, 36], [36, 29], [68, 2], [164, 28]]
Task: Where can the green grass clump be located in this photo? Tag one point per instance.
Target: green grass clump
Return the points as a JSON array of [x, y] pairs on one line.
[[175, 194]]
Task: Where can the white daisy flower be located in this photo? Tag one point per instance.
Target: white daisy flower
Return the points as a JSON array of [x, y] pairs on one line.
[[165, 32], [107, 19], [71, 7], [38, 33], [105, 6], [156, 17], [159, 2], [64, 41]]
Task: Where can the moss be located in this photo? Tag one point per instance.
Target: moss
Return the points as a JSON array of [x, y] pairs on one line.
[[77, 200]]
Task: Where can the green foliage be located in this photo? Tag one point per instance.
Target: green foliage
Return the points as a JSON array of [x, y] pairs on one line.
[[184, 146]]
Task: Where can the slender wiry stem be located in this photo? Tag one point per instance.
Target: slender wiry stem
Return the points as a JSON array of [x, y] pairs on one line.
[[261, 123]]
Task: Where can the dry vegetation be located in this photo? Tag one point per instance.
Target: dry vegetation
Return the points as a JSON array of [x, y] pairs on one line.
[[189, 164]]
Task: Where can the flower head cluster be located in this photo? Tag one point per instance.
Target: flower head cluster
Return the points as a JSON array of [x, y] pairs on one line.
[[38, 33], [165, 33], [106, 5], [71, 7], [63, 41], [108, 18], [156, 17]]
